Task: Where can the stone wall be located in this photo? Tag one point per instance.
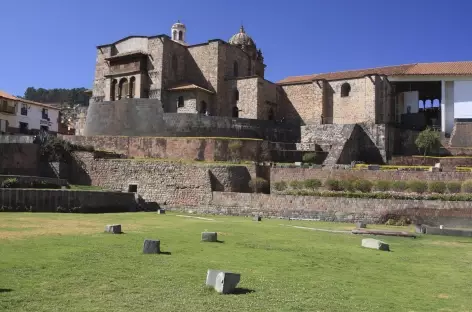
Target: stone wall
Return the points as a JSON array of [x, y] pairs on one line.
[[162, 182], [19, 159], [50, 200], [341, 209], [145, 117], [303, 102], [300, 174], [210, 149], [28, 179], [461, 135]]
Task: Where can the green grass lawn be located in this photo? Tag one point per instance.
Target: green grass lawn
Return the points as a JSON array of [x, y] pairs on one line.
[[64, 262]]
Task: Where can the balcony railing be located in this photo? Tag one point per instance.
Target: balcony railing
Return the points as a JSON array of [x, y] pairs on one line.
[[7, 109]]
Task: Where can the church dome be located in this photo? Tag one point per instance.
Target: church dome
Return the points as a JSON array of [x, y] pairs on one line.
[[241, 39], [178, 25]]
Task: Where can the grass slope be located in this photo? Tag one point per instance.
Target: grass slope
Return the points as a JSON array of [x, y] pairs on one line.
[[63, 262]]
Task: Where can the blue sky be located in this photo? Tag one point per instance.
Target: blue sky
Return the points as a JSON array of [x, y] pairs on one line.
[[51, 43]]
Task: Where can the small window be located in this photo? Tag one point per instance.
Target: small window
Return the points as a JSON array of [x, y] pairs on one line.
[[236, 95], [24, 109], [180, 101], [132, 83], [132, 188], [345, 89], [44, 113], [203, 107], [235, 69], [181, 35], [174, 35], [175, 64], [23, 127]]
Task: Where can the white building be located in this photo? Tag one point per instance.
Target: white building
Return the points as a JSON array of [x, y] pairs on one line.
[[26, 117]]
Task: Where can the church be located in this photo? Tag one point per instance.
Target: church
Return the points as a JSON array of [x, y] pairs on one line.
[[215, 78]]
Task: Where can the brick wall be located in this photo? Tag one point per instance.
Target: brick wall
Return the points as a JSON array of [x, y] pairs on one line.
[[300, 174], [49, 200], [450, 214]]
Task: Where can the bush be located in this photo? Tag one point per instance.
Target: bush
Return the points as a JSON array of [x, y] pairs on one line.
[[333, 185], [235, 150], [10, 183], [467, 186], [383, 186], [437, 187], [365, 186], [280, 186], [347, 185], [296, 185], [399, 186], [454, 187], [259, 185], [418, 186], [312, 184], [428, 140], [309, 158]]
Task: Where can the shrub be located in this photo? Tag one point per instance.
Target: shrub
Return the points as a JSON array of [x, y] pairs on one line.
[[383, 186], [259, 185], [333, 185], [467, 186], [418, 186], [365, 186], [399, 186], [453, 187], [312, 184], [437, 187], [428, 140], [347, 185], [235, 150], [280, 186], [309, 158], [296, 185], [10, 183]]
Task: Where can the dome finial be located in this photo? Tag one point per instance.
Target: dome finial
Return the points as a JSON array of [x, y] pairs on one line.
[[241, 30]]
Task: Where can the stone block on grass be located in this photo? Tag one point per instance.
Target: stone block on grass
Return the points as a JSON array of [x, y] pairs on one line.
[[113, 228], [361, 225], [375, 244], [257, 218], [151, 246], [223, 282], [209, 236], [161, 211], [420, 229]]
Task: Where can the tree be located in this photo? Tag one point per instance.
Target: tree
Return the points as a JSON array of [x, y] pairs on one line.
[[427, 140]]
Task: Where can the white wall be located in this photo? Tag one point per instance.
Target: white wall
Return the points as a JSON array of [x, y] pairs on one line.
[[411, 99], [34, 118], [462, 99], [449, 105]]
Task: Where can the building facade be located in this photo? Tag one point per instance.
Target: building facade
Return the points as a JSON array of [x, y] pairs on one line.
[[26, 117]]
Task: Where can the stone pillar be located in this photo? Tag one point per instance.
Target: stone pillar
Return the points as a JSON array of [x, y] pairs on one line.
[[443, 106]]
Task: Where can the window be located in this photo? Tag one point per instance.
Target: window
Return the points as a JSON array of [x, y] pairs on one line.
[[345, 89], [133, 188], [180, 101], [113, 90], [236, 95], [174, 35], [235, 112], [175, 64], [122, 88], [235, 69], [181, 35], [132, 83], [44, 114], [24, 109], [23, 127]]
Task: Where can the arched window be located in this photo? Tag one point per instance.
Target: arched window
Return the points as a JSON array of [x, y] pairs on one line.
[[235, 69], [180, 101], [175, 64], [270, 116], [428, 104], [203, 107], [174, 35], [113, 90], [122, 88], [181, 35], [235, 112], [132, 86], [345, 89], [236, 95]]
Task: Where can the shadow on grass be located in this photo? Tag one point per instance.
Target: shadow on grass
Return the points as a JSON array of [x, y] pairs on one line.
[[167, 253], [242, 291], [4, 290]]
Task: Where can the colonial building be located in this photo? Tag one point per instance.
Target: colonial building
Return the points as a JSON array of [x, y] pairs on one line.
[[27, 117], [214, 78]]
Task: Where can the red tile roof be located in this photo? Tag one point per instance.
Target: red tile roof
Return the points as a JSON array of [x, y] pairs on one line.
[[443, 68], [5, 95]]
